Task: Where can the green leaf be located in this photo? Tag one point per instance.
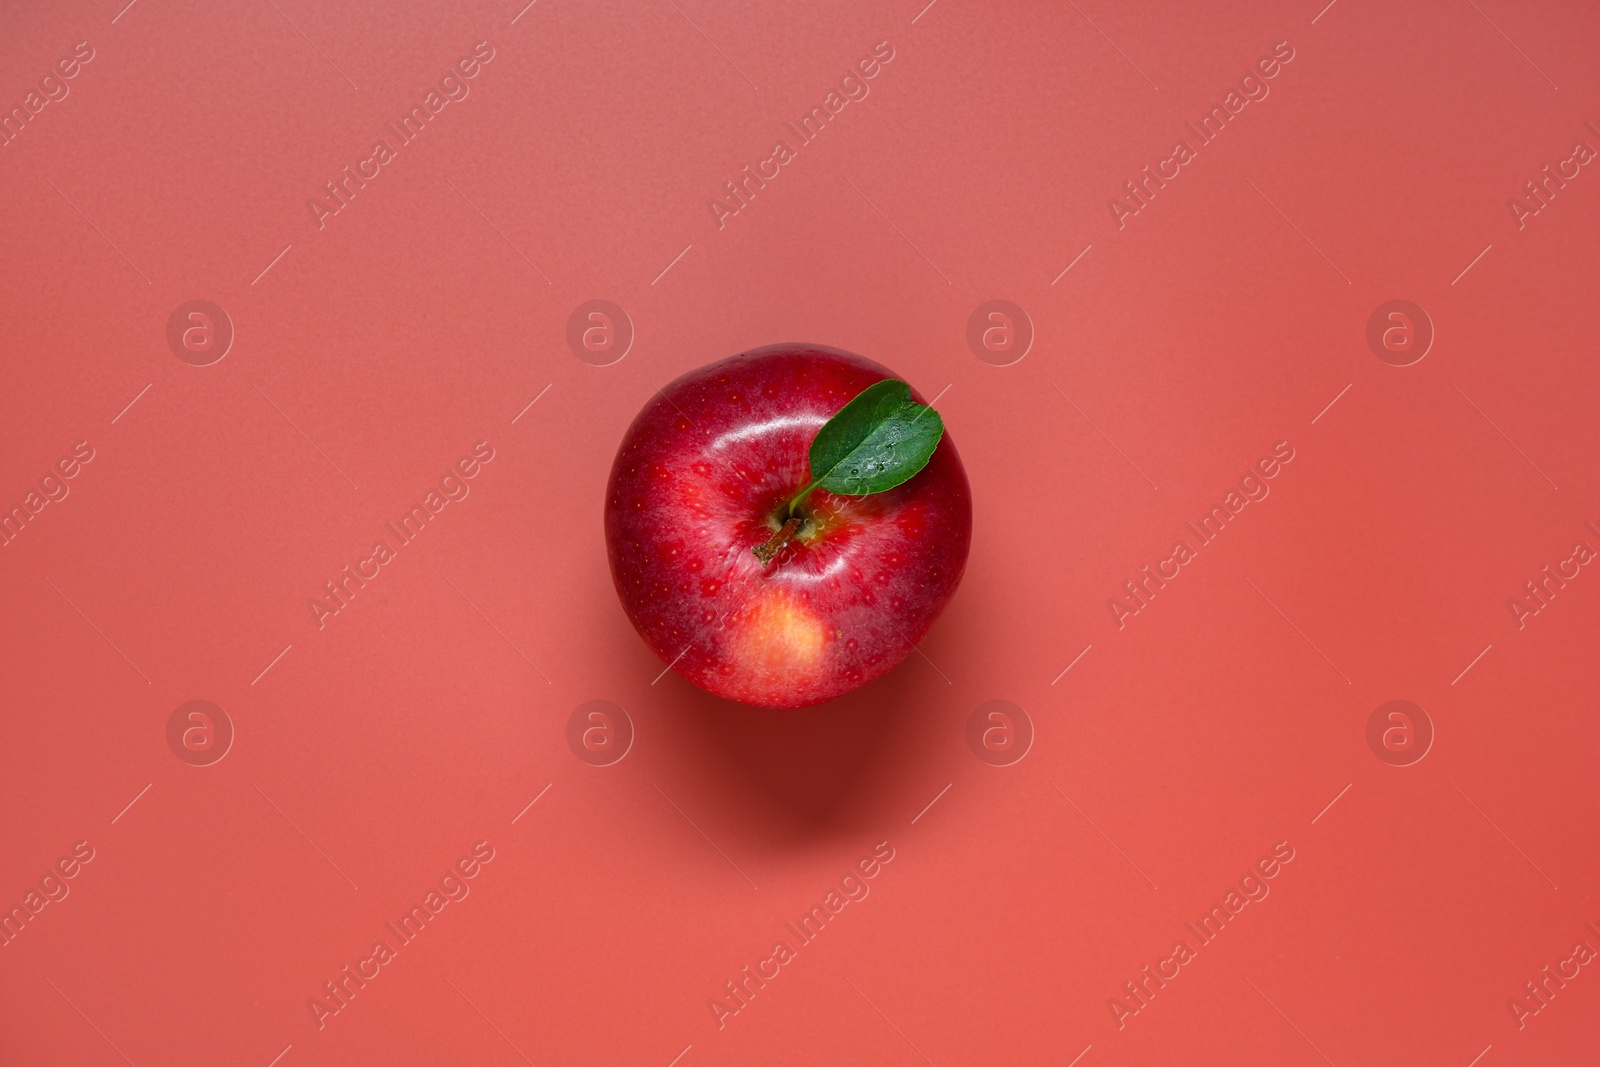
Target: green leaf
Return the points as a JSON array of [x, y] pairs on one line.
[[879, 440], [876, 442]]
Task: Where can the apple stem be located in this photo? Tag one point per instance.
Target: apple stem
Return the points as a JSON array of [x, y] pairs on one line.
[[765, 552]]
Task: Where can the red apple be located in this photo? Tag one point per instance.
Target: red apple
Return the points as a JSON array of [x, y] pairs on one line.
[[706, 474]]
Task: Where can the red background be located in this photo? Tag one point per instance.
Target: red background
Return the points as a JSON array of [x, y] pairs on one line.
[[1225, 717]]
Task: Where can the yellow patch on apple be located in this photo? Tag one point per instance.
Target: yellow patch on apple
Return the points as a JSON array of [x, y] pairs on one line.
[[781, 633]]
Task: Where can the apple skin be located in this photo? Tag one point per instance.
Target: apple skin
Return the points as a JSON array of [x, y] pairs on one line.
[[700, 480]]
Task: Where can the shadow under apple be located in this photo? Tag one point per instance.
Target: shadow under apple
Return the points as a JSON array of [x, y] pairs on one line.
[[817, 771]]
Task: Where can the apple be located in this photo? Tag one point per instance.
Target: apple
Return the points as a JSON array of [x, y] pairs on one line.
[[744, 569]]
